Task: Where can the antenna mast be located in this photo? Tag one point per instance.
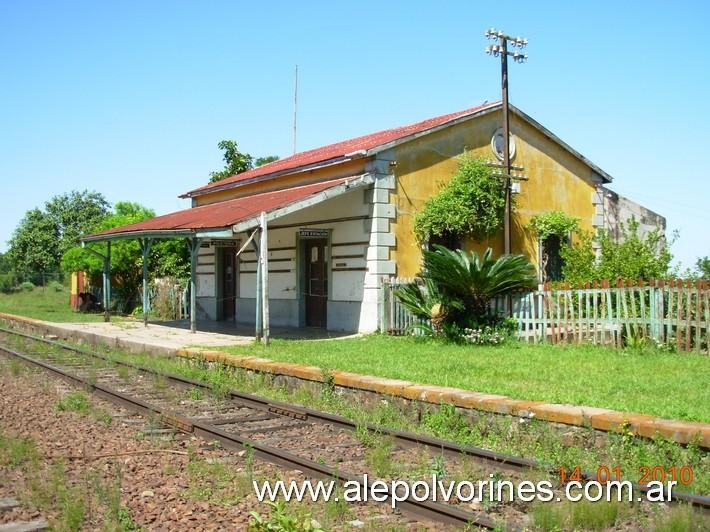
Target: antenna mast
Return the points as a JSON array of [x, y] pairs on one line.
[[295, 106]]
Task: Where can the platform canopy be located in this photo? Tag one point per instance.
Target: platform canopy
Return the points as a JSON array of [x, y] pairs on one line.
[[221, 220], [225, 218]]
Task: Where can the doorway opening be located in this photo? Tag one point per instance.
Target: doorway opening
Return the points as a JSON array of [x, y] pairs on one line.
[[552, 261], [315, 287], [227, 305]]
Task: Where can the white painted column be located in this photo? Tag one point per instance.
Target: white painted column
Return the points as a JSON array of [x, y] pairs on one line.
[[382, 240]]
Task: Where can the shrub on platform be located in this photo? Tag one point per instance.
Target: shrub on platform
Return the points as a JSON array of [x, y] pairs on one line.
[[27, 286], [55, 286], [459, 286]]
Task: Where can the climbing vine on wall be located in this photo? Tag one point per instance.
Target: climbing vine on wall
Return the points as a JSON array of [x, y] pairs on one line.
[[553, 223], [472, 203]]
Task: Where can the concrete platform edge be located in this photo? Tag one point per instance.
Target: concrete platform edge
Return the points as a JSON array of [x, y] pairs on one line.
[[601, 419]]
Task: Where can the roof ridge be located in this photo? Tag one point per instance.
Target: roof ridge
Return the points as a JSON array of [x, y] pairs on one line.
[[339, 149]]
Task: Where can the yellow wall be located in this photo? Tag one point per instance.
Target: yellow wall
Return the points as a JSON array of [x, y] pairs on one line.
[[558, 181]]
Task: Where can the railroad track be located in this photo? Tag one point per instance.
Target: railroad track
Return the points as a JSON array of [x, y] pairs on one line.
[[290, 436]]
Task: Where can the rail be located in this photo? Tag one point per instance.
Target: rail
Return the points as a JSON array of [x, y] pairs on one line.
[[437, 511]]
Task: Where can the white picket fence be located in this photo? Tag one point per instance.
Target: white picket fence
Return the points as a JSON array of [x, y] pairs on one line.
[[675, 312]]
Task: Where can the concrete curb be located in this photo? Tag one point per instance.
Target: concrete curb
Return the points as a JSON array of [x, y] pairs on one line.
[[581, 416]]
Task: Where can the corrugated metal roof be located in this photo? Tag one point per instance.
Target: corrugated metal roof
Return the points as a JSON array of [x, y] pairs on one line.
[[342, 151], [339, 149], [223, 214]]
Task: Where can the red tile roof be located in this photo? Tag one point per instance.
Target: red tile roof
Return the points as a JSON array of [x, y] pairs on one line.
[[225, 213], [339, 149]]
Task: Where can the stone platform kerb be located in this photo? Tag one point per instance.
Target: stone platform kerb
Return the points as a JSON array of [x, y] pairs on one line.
[[582, 416]]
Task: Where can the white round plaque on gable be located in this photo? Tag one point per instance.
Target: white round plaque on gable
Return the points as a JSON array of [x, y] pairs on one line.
[[497, 144]]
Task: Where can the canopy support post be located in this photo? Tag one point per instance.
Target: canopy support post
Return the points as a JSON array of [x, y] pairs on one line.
[[257, 299], [107, 282], [146, 245], [106, 276], [194, 245], [264, 261]]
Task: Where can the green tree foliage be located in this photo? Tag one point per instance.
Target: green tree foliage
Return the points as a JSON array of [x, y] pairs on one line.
[[472, 203], [579, 259], [459, 285], [236, 162], [628, 257], [261, 161], [551, 223], [703, 266], [7, 278], [43, 235], [34, 246], [168, 257], [75, 214], [5, 265]]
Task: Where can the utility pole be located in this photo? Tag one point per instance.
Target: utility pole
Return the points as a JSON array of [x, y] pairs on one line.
[[501, 49]]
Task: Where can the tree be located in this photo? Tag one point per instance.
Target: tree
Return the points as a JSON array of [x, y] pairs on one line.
[[44, 235], [261, 161], [126, 256], [459, 285], [168, 257], [631, 256], [34, 246], [472, 203], [74, 214], [703, 265], [236, 162], [5, 265]]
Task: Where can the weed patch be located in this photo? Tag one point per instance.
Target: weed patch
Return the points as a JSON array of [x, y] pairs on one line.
[[14, 451], [216, 482], [530, 439], [282, 518], [73, 402]]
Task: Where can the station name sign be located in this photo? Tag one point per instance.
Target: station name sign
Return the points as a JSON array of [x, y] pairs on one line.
[[221, 243], [313, 233]]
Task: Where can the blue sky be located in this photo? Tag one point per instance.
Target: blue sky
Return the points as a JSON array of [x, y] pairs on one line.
[[131, 98]]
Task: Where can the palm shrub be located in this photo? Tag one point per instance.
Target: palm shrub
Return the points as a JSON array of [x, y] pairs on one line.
[[427, 301], [459, 285]]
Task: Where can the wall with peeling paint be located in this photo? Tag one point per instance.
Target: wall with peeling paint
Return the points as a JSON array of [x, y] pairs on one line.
[[406, 175], [557, 181]]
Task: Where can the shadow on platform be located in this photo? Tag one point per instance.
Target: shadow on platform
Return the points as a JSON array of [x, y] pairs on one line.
[[247, 330]]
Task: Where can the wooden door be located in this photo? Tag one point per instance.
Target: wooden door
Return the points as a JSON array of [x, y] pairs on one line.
[[316, 282], [229, 282]]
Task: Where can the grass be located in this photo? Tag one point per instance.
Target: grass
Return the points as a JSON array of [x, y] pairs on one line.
[[78, 402], [16, 451], [652, 382], [216, 482], [582, 515], [680, 519], [73, 402], [44, 304], [532, 439]]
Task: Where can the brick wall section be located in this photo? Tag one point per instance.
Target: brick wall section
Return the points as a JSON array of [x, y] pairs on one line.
[[581, 416]]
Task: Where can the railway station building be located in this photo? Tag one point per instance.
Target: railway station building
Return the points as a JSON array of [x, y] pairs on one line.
[[339, 219]]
